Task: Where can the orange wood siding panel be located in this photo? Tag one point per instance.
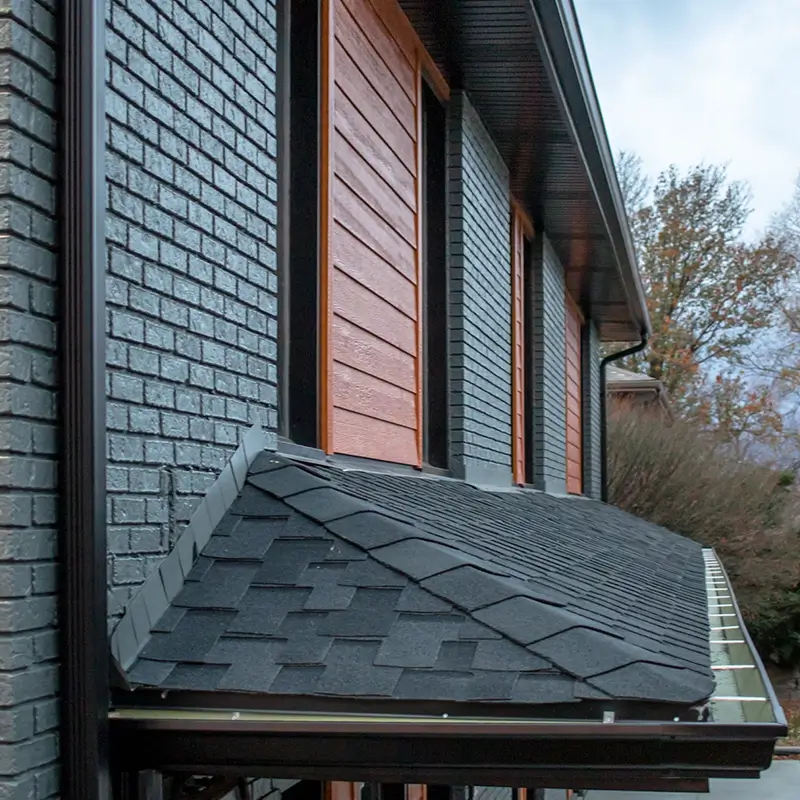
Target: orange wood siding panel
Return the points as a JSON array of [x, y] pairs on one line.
[[518, 348], [574, 399], [374, 261], [339, 790]]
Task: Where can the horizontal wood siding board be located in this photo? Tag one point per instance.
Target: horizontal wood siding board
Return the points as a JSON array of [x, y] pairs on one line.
[[368, 353], [359, 175], [351, 81], [365, 394], [359, 218], [395, 20], [356, 129], [355, 434], [354, 302], [573, 320], [394, 56], [354, 258], [366, 51]]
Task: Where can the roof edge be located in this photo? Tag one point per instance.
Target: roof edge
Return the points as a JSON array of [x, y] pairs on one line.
[[163, 585], [564, 48], [593, 755]]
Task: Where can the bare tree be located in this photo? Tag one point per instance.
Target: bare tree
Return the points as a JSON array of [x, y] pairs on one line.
[[633, 181]]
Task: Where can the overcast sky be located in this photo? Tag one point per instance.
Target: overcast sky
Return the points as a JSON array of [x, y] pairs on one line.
[[683, 81]]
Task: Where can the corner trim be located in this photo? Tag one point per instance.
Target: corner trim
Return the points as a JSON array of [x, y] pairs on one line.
[[82, 468], [163, 585]]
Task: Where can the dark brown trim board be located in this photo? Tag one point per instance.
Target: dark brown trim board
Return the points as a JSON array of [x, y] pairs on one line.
[[84, 644]]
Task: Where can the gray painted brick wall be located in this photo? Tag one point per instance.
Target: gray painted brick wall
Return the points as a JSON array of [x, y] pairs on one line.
[[480, 300], [28, 402], [591, 411], [549, 335], [191, 316]]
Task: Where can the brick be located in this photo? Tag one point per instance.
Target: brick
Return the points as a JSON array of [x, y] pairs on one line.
[[16, 651], [147, 539], [159, 452], [16, 724], [25, 614], [126, 449], [145, 480], [46, 715], [127, 570], [45, 578], [190, 230]]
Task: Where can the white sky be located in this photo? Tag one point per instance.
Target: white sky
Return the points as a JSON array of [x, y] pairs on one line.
[[685, 81]]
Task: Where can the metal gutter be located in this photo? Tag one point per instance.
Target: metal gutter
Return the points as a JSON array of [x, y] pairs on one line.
[[461, 751], [558, 27], [734, 657], [82, 468]]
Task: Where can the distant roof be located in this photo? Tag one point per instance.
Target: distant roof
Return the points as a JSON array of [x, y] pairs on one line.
[[616, 376], [331, 582]]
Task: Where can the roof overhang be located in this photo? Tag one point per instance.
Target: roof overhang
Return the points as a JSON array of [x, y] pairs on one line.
[[524, 67], [439, 749]]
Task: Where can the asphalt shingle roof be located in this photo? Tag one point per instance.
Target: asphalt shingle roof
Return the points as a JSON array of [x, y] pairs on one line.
[[349, 583]]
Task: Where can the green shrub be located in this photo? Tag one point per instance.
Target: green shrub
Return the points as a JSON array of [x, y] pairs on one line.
[[680, 476]]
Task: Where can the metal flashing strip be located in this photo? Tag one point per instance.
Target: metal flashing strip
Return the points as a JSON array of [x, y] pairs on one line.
[[163, 585], [743, 693], [280, 721]]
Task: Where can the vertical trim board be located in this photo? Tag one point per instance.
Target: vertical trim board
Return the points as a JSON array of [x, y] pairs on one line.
[[518, 345], [327, 72]]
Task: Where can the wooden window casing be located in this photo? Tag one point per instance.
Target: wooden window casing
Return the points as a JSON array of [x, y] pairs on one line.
[[574, 396], [521, 401]]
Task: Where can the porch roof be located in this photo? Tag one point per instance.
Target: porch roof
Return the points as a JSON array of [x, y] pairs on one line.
[[346, 583], [471, 636]]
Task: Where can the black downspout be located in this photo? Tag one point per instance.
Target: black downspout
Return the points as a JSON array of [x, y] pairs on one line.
[[604, 410], [82, 468]]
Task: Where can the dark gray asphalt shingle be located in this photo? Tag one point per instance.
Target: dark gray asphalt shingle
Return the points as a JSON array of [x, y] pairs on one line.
[[344, 583]]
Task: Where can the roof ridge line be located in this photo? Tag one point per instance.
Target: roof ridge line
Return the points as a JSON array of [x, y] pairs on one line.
[[155, 595]]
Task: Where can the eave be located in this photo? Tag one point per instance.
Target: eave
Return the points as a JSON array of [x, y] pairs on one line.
[[523, 65], [440, 749]]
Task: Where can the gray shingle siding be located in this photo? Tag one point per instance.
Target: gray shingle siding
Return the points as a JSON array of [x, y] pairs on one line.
[[480, 300], [591, 412], [191, 261], [28, 403], [549, 413]]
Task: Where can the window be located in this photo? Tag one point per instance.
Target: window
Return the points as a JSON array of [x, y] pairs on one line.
[[435, 280], [300, 174]]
